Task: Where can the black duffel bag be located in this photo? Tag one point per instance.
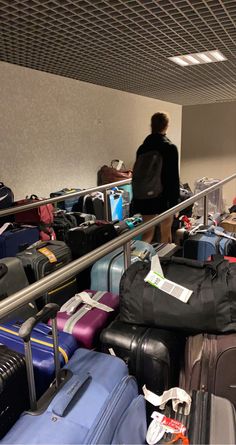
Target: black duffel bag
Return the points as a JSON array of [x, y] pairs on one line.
[[211, 307]]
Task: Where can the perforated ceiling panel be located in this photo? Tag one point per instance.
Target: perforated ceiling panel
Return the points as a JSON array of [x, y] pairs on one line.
[[126, 44]]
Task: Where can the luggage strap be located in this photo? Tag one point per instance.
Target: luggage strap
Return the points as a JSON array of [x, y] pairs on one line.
[[41, 342], [90, 301], [177, 395]]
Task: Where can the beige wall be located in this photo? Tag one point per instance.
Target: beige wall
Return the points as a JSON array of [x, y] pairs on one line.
[[209, 144], [57, 132]]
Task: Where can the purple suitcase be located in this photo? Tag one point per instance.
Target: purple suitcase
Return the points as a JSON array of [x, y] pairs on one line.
[[86, 314]]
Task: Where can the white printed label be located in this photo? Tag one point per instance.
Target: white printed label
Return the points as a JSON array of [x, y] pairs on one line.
[[175, 290], [156, 265]]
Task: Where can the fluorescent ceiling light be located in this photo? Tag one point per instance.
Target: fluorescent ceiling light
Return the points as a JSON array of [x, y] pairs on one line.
[[218, 55], [179, 61], [192, 59], [199, 58]]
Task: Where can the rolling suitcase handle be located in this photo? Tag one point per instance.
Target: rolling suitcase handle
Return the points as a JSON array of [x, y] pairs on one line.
[[50, 311]]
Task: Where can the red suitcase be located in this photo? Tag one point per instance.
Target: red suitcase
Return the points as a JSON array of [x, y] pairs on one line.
[[86, 314]]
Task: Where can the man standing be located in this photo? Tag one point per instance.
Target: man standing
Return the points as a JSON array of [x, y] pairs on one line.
[[155, 179]]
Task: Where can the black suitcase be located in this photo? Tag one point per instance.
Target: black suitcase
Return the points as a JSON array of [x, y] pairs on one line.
[[13, 279], [92, 204], [89, 236], [44, 258], [152, 355], [14, 398]]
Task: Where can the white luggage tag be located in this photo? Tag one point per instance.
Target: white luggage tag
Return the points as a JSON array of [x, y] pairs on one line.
[[156, 278], [177, 395]]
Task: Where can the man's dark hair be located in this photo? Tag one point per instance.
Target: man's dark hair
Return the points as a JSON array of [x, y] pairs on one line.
[[159, 121]]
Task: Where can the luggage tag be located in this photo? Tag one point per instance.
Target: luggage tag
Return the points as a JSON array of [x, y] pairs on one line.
[[162, 424], [177, 395], [156, 278]]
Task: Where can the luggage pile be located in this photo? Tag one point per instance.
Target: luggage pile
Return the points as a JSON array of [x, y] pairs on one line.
[[143, 355]]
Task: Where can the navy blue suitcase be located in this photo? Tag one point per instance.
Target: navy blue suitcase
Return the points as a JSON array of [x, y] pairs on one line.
[[42, 349], [205, 243], [94, 401], [15, 239]]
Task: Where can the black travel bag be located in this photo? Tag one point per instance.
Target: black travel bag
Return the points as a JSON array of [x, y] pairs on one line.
[[89, 236], [14, 398], [13, 279], [62, 223], [211, 308], [46, 257], [152, 355]]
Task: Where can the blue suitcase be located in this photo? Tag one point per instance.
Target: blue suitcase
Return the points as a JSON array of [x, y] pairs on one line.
[[97, 403], [202, 245], [16, 239], [42, 349], [107, 272]]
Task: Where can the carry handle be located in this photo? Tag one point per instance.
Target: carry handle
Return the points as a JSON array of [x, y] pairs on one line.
[[119, 162], [50, 310], [184, 261], [71, 389], [3, 270]]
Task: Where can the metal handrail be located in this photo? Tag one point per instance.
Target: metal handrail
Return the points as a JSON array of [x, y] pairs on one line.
[[30, 293], [32, 205]]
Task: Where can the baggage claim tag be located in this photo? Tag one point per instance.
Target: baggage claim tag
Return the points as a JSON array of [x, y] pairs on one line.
[[156, 278]]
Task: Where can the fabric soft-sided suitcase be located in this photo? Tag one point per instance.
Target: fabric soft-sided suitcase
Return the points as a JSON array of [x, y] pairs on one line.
[[86, 322], [210, 362], [202, 245], [16, 239], [106, 272], [212, 421], [13, 279], [152, 355], [229, 223], [97, 403], [42, 349], [68, 203], [14, 398], [43, 259], [89, 236]]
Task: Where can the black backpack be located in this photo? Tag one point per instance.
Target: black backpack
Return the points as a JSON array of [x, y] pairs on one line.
[[211, 307], [146, 180]]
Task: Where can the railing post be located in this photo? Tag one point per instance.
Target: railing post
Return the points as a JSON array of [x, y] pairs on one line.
[[106, 205], [205, 215], [127, 255]]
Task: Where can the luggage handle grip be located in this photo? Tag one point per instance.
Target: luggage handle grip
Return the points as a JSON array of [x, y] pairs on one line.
[[49, 311], [65, 398]]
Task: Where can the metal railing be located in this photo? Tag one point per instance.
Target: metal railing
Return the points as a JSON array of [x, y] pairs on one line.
[[99, 188], [47, 283]]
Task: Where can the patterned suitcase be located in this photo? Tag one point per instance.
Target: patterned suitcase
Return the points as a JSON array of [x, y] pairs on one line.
[[106, 272], [85, 320]]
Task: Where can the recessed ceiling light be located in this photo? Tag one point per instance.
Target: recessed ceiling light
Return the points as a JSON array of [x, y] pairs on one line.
[[199, 58]]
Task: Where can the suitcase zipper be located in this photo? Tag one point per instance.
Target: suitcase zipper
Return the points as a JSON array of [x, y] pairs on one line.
[[106, 414], [41, 342]]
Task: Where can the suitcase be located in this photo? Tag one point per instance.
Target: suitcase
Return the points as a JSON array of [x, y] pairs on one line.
[[115, 204], [15, 239], [14, 396], [82, 217], [92, 204], [210, 362], [152, 355], [92, 401], [84, 321], [42, 350], [44, 258], [209, 242], [212, 421], [127, 224], [106, 272], [13, 279], [6, 201], [89, 236], [68, 203], [229, 223], [63, 222]]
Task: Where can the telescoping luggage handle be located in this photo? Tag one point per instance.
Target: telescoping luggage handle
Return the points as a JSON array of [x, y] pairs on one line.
[[49, 311]]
